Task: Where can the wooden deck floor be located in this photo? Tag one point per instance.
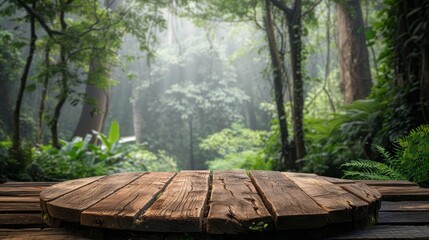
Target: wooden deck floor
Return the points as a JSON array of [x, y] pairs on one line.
[[404, 213]]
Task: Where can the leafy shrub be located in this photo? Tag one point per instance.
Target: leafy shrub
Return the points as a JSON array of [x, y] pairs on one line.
[[236, 148], [411, 161], [233, 140], [79, 158], [241, 160]]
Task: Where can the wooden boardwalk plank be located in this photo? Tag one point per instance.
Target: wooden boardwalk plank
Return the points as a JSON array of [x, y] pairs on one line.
[[27, 184], [60, 189], [341, 205], [120, 209], [408, 193], [23, 199], [21, 190], [20, 207], [388, 183], [235, 206], [387, 232], [21, 219], [69, 206], [403, 218], [180, 208], [291, 207], [39, 234], [338, 180], [406, 206], [362, 191]]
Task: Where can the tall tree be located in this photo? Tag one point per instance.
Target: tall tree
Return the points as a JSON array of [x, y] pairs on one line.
[[355, 68], [278, 78], [96, 100], [16, 140], [294, 25]]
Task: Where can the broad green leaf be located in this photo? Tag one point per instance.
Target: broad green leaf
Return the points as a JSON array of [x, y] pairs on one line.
[[114, 134]]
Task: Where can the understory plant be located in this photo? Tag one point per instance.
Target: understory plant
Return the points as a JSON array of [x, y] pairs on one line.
[[79, 158], [236, 147], [410, 162]]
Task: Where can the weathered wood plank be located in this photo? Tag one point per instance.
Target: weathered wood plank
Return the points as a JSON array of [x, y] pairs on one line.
[[120, 209], [388, 183], [19, 207], [340, 204], [32, 219], [23, 199], [338, 180], [69, 206], [181, 206], [364, 192], [291, 207], [27, 184], [235, 206], [404, 218], [60, 189], [409, 193], [406, 206], [387, 232], [21, 191], [39, 234]]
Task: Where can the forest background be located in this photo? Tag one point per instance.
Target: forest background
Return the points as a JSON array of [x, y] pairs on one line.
[[92, 87]]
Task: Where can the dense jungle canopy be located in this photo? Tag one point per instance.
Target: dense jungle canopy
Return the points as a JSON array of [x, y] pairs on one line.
[[334, 87]]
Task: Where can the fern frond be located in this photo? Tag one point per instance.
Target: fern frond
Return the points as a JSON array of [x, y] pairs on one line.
[[372, 170]]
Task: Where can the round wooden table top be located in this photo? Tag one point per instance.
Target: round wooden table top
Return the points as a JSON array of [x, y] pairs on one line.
[[222, 202]]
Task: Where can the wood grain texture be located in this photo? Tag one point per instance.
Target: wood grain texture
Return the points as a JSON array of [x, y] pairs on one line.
[[62, 188], [20, 207], [235, 206], [21, 191], [390, 183], [341, 205], [119, 210], [21, 219], [291, 207], [404, 218], [69, 206], [387, 232], [364, 192], [181, 206], [338, 180], [406, 206], [15, 199], [404, 193], [39, 234]]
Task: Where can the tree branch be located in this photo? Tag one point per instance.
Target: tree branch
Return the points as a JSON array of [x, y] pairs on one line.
[[311, 8], [39, 19], [283, 7]]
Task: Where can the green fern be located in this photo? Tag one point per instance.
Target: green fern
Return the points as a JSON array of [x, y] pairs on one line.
[[367, 169], [411, 161]]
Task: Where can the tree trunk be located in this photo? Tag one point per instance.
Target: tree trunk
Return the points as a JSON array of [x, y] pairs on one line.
[[39, 133], [295, 43], [6, 103], [63, 87], [278, 78], [355, 68], [95, 106], [191, 144], [137, 121], [16, 140]]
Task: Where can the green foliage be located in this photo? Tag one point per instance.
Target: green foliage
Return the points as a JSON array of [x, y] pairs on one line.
[[79, 158], [237, 148], [232, 140], [241, 160], [410, 162]]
